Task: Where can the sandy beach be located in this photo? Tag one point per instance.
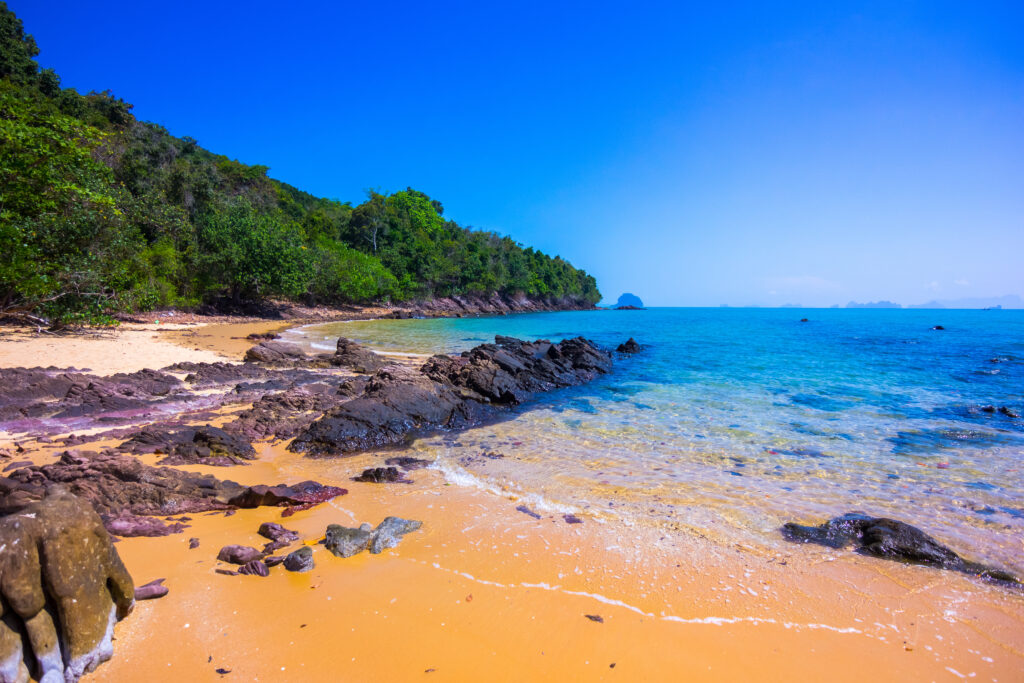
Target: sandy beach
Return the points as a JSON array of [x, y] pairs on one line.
[[484, 591]]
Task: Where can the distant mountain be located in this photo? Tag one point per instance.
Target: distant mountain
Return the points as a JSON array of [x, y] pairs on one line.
[[873, 304], [628, 299], [1008, 301]]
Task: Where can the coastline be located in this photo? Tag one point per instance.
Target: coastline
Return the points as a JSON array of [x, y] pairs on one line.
[[673, 604]]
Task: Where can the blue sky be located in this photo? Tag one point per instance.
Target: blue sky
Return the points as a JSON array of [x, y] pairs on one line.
[[743, 153]]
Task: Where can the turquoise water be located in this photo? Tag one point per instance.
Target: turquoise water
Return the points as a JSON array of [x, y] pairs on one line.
[[733, 421]]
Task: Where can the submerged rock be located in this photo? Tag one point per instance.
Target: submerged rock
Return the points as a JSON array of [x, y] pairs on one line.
[[299, 561], [629, 346], [388, 533], [892, 540], [63, 586], [408, 463]]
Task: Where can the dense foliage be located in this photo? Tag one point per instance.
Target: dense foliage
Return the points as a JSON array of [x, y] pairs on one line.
[[101, 212]]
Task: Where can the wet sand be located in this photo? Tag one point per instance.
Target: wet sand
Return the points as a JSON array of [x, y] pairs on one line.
[[484, 591]]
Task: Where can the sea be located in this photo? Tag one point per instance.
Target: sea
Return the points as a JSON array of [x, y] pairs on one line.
[[733, 421]]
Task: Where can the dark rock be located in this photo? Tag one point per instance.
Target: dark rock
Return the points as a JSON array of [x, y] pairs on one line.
[[804, 320], [356, 356], [450, 392], [239, 554], [629, 308], [285, 414], [890, 539], [408, 463], [572, 519], [938, 327], [388, 533], [262, 336], [63, 585], [595, 617], [346, 542], [1007, 412], [275, 352], [16, 465], [382, 475], [988, 409], [204, 445], [254, 568], [299, 561], [193, 543], [276, 532], [120, 485], [629, 346], [151, 590], [226, 572], [273, 560]]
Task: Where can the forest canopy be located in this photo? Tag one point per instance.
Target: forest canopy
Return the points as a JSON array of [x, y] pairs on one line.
[[102, 213]]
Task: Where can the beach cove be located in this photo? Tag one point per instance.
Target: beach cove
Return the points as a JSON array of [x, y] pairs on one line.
[[485, 589]]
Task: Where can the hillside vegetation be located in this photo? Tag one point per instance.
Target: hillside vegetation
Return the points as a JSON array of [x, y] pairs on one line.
[[102, 213]]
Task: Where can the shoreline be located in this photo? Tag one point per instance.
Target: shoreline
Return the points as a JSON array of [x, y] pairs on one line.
[[672, 604]]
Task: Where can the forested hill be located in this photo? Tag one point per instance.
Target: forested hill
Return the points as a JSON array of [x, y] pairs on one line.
[[101, 213]]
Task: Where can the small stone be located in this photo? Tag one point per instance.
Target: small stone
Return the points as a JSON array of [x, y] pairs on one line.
[[151, 590], [193, 543], [254, 568], [239, 554], [276, 532], [299, 561], [595, 617]]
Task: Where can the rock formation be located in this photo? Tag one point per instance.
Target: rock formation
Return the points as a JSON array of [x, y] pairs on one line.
[[63, 587], [450, 392]]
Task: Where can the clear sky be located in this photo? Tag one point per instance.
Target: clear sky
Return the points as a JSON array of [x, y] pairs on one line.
[[691, 153]]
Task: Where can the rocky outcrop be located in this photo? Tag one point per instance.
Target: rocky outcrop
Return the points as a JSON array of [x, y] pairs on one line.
[[500, 304], [121, 489], [629, 346], [63, 587], [890, 539], [274, 352], [450, 392], [204, 445]]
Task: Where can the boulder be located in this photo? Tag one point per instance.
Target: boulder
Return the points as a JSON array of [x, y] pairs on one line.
[[63, 587]]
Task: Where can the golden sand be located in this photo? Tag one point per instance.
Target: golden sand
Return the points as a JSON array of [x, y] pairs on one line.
[[485, 592]]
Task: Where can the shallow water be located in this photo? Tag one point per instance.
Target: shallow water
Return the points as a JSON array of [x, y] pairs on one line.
[[733, 421]]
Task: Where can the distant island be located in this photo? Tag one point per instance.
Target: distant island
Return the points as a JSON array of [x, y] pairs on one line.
[[991, 302], [108, 214], [874, 304], [629, 302]]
